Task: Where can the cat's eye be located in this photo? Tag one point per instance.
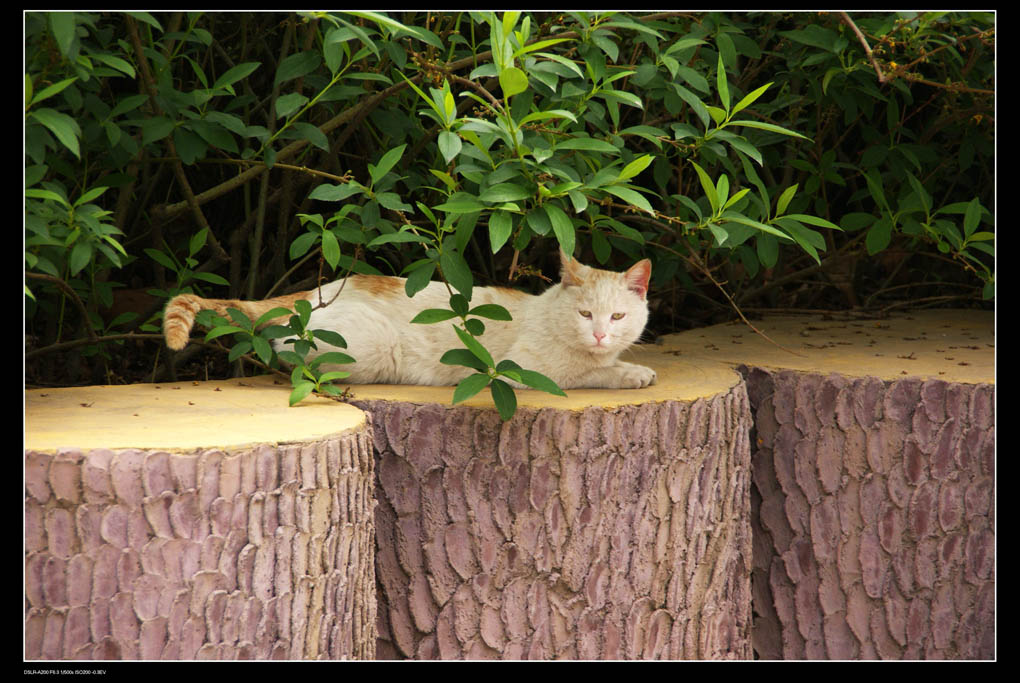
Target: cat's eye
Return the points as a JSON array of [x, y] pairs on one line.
[[585, 314], [618, 316]]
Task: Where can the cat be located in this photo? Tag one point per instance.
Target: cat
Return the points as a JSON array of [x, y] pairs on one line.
[[573, 333]]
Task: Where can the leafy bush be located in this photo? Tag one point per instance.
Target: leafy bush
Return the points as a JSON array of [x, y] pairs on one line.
[[802, 160]]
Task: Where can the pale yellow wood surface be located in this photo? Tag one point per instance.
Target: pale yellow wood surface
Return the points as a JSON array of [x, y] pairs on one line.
[[178, 416], [187, 415], [951, 345]]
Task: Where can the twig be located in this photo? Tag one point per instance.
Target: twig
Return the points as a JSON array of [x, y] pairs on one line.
[[182, 178], [73, 296], [96, 340], [864, 43]]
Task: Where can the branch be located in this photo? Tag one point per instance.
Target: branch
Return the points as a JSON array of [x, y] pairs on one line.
[[73, 296], [864, 43], [150, 88], [62, 346], [352, 114]]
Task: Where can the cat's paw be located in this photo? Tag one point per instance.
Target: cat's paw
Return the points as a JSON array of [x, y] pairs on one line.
[[632, 376]]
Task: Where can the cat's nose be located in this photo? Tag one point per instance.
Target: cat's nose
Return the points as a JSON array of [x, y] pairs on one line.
[[599, 336]]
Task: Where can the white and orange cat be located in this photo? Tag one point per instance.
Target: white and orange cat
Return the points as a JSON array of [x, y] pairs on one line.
[[573, 333]]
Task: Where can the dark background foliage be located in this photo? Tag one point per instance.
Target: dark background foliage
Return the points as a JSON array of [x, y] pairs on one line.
[[763, 161]]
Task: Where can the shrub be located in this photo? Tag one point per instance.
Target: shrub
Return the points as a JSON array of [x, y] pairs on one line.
[[751, 156]]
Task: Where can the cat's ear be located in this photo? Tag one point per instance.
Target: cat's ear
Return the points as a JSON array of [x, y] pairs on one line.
[[571, 270], [637, 277]]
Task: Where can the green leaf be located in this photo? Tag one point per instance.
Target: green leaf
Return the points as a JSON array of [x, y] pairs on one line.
[[562, 227], [537, 380], [333, 358], [500, 227], [879, 236], [238, 350], [330, 337], [709, 188], [744, 220], [330, 249], [291, 358], [300, 392], [262, 349], [115, 62], [277, 312], [635, 167], [461, 204], [235, 74], [221, 331], [694, 102], [550, 114], [80, 256], [505, 192], [419, 278], [769, 127], [47, 194], [335, 193], [768, 250], [45, 93], [814, 220], [721, 84], [275, 331], [919, 190], [288, 104], [972, 216], [463, 357], [456, 272], [504, 398], [475, 347], [90, 195], [627, 98], [387, 162], [512, 81], [491, 311], [749, 99], [63, 26], [401, 237], [874, 180], [588, 145], [785, 198], [469, 386], [306, 131], [449, 145], [63, 127], [433, 315], [297, 65], [630, 196], [392, 201]]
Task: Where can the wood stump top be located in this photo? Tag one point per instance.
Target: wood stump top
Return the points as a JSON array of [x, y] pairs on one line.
[[949, 345], [678, 379], [179, 416]]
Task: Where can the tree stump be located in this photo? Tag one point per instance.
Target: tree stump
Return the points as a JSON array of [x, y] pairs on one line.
[[200, 520], [873, 488], [605, 525]]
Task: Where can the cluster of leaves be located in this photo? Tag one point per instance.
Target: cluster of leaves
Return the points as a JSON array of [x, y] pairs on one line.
[[255, 337], [760, 149]]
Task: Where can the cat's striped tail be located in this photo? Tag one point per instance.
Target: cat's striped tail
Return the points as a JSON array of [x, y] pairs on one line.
[[179, 315], [179, 318]]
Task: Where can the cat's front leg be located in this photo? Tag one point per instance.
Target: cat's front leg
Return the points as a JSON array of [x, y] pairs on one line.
[[620, 375]]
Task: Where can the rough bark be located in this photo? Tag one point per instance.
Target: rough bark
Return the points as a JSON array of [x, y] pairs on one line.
[[262, 553], [605, 534], [873, 514]]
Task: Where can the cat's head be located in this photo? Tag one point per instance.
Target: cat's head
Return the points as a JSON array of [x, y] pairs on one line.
[[604, 311]]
